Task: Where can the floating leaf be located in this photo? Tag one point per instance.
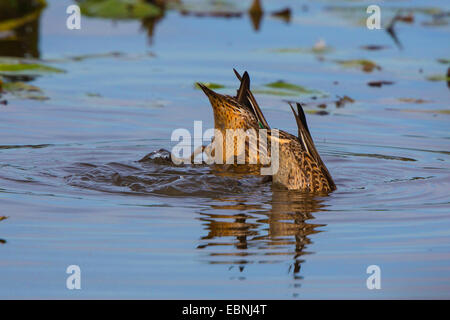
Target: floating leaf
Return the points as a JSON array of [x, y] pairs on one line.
[[438, 77], [210, 85], [412, 100], [3, 218], [10, 66], [119, 9], [365, 65], [318, 112], [292, 88]]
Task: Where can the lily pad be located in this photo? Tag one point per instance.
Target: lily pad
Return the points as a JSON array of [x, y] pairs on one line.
[[9, 66], [290, 88], [119, 9]]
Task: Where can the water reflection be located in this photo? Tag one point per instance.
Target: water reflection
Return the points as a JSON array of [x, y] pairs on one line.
[[277, 231], [2, 241], [19, 28]]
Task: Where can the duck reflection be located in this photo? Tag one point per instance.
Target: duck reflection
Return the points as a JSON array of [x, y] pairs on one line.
[[272, 232]]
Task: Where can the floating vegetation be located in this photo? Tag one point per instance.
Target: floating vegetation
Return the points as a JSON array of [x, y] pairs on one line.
[[413, 100], [286, 89], [374, 47], [317, 112], [291, 88], [3, 218], [363, 64], [119, 9], [435, 111], [379, 83], [23, 90], [343, 100], [320, 47], [438, 77], [444, 61], [210, 85], [10, 66]]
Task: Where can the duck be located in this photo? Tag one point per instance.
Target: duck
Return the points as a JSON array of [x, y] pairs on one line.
[[300, 166]]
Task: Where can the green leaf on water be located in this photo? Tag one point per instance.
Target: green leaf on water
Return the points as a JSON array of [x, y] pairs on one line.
[[290, 88], [210, 85], [119, 9], [25, 67], [273, 92], [438, 77]]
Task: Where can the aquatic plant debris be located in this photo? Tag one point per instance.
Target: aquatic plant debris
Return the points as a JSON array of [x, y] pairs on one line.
[[373, 47], [444, 61], [363, 64], [13, 66], [438, 77], [24, 90], [289, 88], [379, 83], [210, 85], [343, 100], [119, 9], [413, 100]]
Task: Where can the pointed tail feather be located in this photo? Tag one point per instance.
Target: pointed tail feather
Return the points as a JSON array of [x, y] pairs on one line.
[[306, 140], [245, 94]]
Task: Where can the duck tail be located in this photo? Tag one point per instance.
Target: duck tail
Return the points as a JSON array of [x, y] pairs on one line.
[[307, 142], [245, 97]]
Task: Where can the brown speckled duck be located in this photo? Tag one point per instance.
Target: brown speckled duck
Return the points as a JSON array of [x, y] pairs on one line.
[[300, 166]]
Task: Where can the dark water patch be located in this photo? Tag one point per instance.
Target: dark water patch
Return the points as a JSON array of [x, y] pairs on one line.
[[158, 176], [36, 146]]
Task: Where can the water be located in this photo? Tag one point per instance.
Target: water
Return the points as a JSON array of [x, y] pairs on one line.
[[74, 192]]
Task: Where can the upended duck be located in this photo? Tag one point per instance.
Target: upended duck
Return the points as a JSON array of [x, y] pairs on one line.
[[299, 165]]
